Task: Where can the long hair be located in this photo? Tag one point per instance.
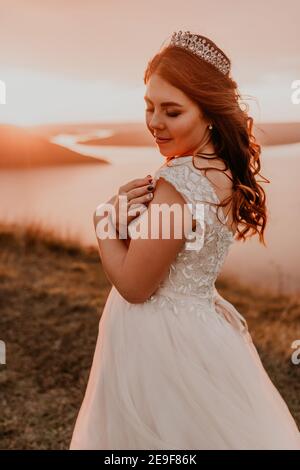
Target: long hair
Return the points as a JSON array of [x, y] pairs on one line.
[[218, 97]]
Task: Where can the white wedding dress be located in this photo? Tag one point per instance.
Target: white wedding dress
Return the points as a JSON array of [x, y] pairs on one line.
[[180, 371]]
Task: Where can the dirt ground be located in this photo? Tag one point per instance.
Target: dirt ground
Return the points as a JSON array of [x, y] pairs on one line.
[[52, 293]]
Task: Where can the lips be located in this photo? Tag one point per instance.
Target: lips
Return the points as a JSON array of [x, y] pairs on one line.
[[160, 139]]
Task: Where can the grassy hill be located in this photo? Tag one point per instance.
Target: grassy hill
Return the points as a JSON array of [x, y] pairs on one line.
[[52, 294]]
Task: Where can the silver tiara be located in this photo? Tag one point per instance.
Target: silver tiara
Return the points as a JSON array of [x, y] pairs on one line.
[[201, 47]]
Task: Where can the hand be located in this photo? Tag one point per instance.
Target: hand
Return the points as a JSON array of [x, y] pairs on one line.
[[137, 192]]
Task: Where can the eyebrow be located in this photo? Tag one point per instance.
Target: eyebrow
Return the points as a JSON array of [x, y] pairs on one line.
[[166, 103]]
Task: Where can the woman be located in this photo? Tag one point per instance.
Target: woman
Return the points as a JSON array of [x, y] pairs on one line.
[[175, 366]]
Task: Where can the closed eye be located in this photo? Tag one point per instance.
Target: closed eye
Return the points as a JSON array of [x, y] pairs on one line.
[[170, 114]]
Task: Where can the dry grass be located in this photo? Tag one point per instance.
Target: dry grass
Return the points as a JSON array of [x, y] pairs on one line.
[[52, 294]]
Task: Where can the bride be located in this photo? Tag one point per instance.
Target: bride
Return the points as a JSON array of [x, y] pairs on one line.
[[174, 365]]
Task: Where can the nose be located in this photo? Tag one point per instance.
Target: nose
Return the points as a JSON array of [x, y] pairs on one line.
[[155, 123]]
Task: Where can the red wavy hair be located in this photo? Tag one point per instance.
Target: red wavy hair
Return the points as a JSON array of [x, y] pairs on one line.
[[218, 97]]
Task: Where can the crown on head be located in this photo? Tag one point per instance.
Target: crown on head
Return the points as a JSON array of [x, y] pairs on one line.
[[202, 48]]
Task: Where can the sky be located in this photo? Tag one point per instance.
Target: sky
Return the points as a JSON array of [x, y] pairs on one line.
[[84, 60]]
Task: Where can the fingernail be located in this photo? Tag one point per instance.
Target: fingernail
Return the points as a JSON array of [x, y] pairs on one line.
[[150, 195], [150, 188]]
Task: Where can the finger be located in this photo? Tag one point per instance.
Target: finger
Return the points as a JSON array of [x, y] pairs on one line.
[[146, 189], [145, 199], [136, 183]]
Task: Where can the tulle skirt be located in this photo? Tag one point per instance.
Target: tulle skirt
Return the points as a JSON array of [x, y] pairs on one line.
[[187, 377]]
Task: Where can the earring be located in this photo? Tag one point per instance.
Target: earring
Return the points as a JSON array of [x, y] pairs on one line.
[[210, 127]]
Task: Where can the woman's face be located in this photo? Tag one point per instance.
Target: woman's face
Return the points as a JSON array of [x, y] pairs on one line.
[[183, 124]]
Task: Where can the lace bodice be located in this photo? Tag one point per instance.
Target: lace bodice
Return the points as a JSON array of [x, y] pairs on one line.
[[190, 283], [195, 270]]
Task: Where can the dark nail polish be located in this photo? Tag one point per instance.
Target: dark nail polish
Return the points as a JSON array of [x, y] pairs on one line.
[[150, 188]]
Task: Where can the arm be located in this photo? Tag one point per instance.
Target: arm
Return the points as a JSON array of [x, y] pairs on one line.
[[137, 271], [111, 251]]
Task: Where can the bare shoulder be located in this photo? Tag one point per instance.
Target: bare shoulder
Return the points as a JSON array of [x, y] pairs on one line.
[[221, 178], [148, 258], [166, 194], [221, 181]]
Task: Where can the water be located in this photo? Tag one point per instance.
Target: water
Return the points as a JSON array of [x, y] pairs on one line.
[[64, 199]]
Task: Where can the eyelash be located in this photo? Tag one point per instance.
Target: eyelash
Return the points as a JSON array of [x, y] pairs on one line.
[[168, 114]]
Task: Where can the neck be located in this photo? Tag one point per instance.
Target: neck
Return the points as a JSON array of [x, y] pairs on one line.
[[206, 146]]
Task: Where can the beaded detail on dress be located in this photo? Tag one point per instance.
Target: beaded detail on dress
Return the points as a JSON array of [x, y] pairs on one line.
[[195, 271]]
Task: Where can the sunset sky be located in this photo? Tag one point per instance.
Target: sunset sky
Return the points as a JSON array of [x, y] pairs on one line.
[[83, 60]]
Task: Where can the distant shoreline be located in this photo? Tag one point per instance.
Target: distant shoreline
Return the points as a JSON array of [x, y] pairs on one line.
[[32, 147], [137, 134], [22, 149]]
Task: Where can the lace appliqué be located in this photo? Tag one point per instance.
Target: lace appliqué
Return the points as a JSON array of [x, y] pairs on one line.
[[190, 283], [194, 271], [177, 301]]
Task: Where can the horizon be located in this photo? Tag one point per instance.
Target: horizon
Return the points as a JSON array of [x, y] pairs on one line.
[[54, 76]]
